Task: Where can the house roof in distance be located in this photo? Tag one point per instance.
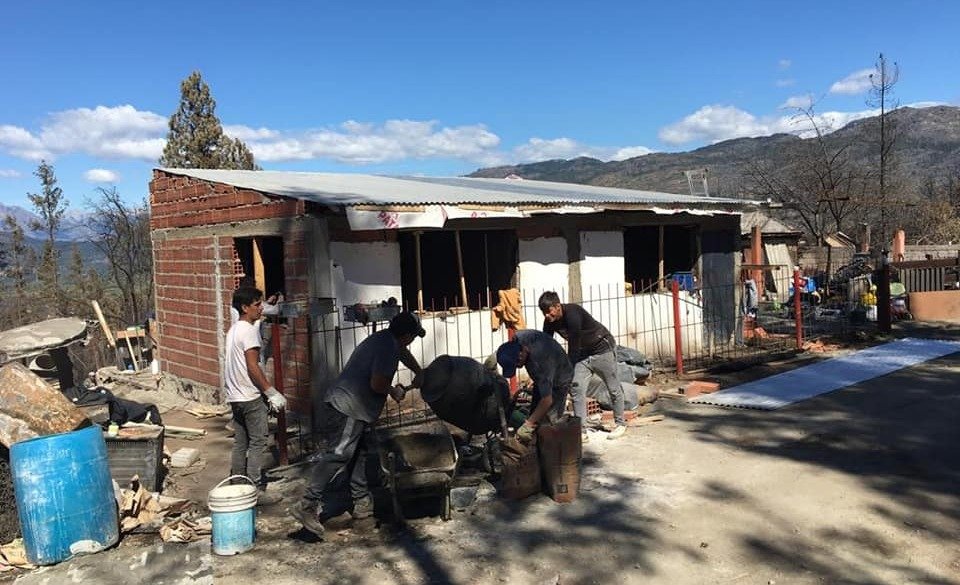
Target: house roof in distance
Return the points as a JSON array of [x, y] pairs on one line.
[[343, 189], [768, 225]]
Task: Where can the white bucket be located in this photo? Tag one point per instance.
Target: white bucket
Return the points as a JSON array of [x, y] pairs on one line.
[[233, 512]]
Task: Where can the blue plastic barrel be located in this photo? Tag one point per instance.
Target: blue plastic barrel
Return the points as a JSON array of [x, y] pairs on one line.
[[64, 495]]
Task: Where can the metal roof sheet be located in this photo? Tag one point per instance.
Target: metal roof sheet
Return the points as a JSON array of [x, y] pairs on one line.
[[356, 189]]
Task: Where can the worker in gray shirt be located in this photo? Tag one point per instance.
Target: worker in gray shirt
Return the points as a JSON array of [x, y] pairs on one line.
[[548, 367], [352, 404]]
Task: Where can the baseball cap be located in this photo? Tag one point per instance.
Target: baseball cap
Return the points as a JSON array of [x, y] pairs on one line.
[[508, 355], [406, 323]]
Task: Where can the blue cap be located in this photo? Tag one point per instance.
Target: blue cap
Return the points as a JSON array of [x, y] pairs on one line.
[[507, 356]]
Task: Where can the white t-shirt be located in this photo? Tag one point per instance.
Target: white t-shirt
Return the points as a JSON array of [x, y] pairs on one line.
[[241, 337]]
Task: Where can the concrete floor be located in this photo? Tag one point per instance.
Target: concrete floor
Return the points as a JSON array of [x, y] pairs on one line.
[[856, 486]]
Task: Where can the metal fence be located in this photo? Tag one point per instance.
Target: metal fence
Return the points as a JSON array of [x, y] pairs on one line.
[[676, 324]]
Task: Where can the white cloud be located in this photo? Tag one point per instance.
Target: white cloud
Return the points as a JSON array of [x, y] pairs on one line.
[[107, 132], [856, 82], [785, 82], [540, 149], [363, 143], [631, 152], [797, 101], [784, 64], [716, 123], [101, 176], [9, 174]]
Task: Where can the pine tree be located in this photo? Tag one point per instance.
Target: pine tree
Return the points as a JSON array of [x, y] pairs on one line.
[[50, 206], [196, 139], [16, 270]]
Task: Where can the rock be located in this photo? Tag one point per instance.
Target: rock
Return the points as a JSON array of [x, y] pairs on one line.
[[462, 497]]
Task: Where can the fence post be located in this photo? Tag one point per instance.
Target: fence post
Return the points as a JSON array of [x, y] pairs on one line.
[[514, 386], [797, 311], [278, 384], [883, 295], [677, 339]]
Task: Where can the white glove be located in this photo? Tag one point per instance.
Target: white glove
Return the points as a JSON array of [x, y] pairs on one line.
[[275, 400]]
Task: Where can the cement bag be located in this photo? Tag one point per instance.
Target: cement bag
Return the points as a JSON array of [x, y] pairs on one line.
[[560, 449], [520, 473], [464, 393]]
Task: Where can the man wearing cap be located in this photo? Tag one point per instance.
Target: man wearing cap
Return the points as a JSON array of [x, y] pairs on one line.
[[351, 405], [549, 368]]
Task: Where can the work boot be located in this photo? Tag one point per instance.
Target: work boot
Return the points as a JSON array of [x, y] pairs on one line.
[[308, 514], [362, 508], [617, 432], [265, 498]]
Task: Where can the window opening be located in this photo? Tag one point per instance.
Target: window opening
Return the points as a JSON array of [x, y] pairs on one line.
[[650, 253]]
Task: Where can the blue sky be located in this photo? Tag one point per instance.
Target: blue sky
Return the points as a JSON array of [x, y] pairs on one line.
[[440, 87]]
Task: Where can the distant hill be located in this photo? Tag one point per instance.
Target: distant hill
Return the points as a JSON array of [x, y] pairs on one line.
[[927, 146]]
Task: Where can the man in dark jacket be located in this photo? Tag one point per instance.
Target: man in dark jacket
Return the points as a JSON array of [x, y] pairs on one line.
[[592, 350]]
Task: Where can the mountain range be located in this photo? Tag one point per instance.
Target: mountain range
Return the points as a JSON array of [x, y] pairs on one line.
[[927, 146]]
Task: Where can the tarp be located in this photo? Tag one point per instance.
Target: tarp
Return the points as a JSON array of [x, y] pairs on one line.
[[822, 377]]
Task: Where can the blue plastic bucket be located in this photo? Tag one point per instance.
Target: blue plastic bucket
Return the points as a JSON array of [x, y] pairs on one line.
[[64, 495], [234, 515]]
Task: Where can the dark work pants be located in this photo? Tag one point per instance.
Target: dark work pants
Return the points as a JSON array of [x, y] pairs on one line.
[[342, 460], [249, 439]]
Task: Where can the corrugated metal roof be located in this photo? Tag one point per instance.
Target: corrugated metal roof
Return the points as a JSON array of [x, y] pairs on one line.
[[767, 224], [356, 189]]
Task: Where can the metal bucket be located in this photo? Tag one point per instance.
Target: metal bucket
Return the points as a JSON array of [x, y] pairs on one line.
[[234, 516], [64, 495]]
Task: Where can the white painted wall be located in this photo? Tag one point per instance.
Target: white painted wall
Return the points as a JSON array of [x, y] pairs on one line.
[[543, 264], [365, 272], [601, 265]]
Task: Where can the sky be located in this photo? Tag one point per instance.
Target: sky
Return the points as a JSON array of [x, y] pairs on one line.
[[438, 87]]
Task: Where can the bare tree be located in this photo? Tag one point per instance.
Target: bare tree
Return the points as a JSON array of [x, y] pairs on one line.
[[821, 186], [123, 235], [883, 80]]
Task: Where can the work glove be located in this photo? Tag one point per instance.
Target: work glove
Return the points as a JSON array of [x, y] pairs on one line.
[[525, 433], [398, 392], [275, 400]]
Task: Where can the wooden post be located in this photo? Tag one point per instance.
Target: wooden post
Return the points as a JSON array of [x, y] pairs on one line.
[[883, 295], [463, 282], [278, 384], [797, 311], [677, 337], [756, 258], [103, 324], [660, 285], [416, 247]]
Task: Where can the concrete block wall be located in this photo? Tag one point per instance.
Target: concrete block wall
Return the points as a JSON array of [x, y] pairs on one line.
[[196, 272]]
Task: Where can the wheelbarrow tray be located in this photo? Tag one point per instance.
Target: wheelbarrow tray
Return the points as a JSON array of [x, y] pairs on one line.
[[418, 461]]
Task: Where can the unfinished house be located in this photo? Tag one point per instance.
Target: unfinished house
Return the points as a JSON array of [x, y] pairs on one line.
[[348, 251]]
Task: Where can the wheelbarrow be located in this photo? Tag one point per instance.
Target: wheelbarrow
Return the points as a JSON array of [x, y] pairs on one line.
[[418, 459]]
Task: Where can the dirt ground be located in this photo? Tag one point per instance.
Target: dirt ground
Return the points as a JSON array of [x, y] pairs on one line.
[[856, 486]]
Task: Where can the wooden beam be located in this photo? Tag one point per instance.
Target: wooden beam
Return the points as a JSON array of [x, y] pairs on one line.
[[103, 324], [660, 274], [259, 277], [463, 282], [416, 247]]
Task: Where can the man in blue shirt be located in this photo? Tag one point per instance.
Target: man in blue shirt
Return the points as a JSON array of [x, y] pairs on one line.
[[352, 404]]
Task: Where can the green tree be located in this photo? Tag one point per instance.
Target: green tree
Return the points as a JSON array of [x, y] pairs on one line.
[[50, 206], [196, 139], [18, 265]]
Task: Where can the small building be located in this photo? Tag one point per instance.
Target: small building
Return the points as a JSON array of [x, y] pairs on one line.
[[344, 247], [781, 247]]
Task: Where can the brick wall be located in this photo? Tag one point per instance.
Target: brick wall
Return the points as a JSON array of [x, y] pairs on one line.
[[186, 268]]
